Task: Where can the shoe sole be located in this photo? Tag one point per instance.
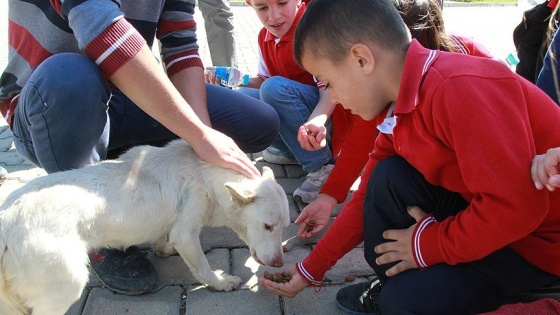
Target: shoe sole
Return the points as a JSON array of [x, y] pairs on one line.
[[285, 161], [298, 199], [280, 163], [150, 287]]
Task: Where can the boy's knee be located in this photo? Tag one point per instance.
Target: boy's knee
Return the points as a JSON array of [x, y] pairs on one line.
[[387, 173], [272, 87]]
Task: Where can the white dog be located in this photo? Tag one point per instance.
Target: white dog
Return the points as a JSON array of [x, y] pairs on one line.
[[159, 195]]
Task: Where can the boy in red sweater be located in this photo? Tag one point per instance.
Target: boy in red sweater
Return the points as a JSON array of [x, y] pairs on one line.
[[355, 138], [451, 220], [290, 90]]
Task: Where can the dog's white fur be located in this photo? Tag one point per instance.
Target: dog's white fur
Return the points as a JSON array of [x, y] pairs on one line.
[[159, 195]]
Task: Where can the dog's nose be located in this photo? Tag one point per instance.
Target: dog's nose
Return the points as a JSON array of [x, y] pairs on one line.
[[278, 262]]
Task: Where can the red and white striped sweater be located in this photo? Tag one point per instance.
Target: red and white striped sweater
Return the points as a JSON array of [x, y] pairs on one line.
[[108, 32]]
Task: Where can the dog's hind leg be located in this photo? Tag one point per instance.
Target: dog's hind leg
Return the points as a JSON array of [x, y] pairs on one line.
[[162, 248], [9, 303], [50, 273]]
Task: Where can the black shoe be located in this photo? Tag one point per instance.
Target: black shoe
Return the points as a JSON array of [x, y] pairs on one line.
[[360, 298], [129, 272]]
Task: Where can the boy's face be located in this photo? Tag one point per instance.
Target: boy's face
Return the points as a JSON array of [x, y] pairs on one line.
[[277, 16], [349, 84]]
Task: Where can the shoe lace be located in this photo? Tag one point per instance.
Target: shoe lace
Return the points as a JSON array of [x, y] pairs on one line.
[[319, 176], [371, 300]]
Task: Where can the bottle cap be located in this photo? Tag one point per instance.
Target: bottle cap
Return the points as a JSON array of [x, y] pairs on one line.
[[512, 59], [245, 79]]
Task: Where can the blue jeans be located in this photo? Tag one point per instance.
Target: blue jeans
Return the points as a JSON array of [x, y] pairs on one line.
[[294, 102], [467, 288], [68, 117]]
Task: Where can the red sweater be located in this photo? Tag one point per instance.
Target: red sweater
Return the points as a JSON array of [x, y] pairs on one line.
[[353, 138], [467, 46], [476, 141]]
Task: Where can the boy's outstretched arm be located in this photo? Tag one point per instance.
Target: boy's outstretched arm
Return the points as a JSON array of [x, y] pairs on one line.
[[544, 170]]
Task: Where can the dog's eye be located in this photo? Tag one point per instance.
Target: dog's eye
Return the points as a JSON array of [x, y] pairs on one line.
[[268, 227]]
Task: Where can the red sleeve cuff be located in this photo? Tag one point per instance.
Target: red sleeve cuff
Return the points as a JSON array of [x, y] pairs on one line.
[[421, 253], [183, 61], [115, 46], [307, 276]]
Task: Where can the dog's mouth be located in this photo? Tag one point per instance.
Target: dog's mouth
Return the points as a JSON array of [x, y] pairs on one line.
[[254, 255]]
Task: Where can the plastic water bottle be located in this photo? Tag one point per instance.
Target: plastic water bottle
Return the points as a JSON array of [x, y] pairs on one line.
[[230, 76]]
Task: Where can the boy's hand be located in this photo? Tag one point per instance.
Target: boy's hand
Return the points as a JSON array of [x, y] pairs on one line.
[[210, 76], [544, 170], [312, 137], [399, 250], [315, 215], [289, 289]]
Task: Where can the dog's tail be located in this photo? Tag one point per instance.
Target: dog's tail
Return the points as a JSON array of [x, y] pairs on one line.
[[9, 303]]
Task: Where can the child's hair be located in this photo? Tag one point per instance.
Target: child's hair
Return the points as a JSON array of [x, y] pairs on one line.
[[328, 28], [425, 22]]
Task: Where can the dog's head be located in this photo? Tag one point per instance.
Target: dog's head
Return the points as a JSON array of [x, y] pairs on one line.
[[264, 213]]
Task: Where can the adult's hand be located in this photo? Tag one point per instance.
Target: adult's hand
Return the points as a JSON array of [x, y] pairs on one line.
[[218, 149], [210, 76]]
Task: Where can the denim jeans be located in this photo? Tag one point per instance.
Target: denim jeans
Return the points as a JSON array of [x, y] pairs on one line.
[[68, 116], [294, 102], [467, 288]]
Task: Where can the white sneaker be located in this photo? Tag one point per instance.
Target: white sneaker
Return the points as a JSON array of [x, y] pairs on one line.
[[309, 189], [275, 156]]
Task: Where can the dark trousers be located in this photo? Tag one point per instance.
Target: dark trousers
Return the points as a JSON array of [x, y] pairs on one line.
[[466, 288]]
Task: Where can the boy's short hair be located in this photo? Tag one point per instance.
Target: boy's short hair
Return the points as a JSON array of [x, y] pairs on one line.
[[328, 28]]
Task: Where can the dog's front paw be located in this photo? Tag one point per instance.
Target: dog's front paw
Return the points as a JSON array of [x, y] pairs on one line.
[[226, 283], [165, 250]]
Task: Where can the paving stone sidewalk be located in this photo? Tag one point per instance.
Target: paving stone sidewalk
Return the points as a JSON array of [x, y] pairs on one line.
[[178, 293]]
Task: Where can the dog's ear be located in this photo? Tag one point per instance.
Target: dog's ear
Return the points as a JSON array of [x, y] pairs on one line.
[[239, 193], [267, 173]]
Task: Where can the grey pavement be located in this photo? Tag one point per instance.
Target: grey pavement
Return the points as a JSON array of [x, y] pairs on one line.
[[178, 292]]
